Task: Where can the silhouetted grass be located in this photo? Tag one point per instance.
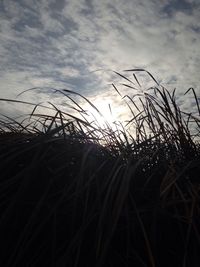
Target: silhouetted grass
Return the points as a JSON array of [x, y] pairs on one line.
[[75, 194]]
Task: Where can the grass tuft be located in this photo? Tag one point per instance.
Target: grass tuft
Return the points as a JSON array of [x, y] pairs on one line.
[[75, 193]]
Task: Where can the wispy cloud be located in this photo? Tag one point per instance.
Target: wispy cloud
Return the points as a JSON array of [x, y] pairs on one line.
[[59, 43]]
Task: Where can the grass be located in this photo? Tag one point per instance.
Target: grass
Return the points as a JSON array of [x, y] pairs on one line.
[[75, 194]]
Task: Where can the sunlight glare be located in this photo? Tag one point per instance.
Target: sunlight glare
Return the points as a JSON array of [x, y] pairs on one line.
[[107, 117]]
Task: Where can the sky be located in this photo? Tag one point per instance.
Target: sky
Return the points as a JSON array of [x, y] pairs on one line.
[[76, 44]]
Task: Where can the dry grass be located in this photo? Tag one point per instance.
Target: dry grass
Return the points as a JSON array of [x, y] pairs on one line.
[[74, 194]]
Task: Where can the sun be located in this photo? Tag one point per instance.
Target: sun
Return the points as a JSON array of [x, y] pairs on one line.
[[102, 113]]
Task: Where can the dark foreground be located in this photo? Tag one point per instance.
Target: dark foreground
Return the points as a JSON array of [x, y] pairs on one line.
[[67, 203]]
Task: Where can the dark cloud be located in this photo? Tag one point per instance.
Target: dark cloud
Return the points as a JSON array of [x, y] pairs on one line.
[[88, 8], [29, 20], [57, 6], [174, 6]]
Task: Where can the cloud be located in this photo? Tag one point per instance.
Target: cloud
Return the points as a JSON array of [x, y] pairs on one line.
[[59, 43]]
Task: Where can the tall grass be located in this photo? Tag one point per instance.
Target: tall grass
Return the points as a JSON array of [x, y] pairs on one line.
[[76, 194]]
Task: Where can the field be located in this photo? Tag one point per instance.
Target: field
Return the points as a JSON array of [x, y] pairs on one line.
[[74, 194]]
